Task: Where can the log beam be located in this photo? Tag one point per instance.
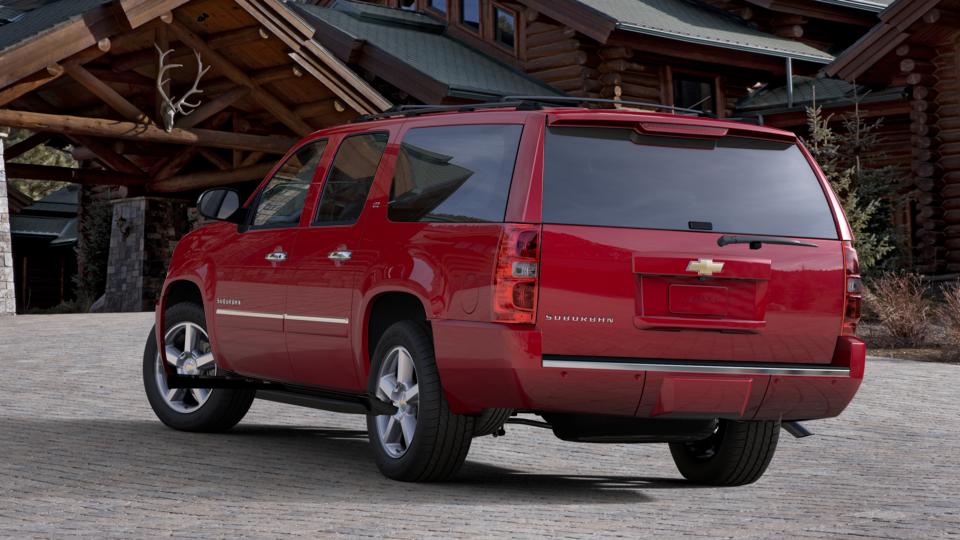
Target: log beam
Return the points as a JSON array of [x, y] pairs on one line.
[[232, 72], [26, 145], [65, 174], [212, 107], [31, 83], [106, 94], [204, 180], [99, 127]]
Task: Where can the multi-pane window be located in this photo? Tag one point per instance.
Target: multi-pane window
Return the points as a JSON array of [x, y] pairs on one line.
[[438, 5], [281, 201], [470, 14], [410, 5], [694, 93], [505, 29], [454, 173], [351, 175]]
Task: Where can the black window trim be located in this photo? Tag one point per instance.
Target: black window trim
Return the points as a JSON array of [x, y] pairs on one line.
[[252, 212], [323, 185]]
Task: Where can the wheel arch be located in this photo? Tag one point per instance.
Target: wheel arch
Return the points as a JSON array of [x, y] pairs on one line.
[[384, 309]]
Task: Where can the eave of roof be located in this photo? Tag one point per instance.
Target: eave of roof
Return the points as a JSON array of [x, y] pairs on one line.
[[875, 6], [699, 24]]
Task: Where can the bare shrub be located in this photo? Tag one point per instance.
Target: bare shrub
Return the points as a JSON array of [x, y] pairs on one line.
[[902, 308], [950, 314]]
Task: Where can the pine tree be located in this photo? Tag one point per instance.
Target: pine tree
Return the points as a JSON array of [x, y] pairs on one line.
[[861, 188], [40, 155]]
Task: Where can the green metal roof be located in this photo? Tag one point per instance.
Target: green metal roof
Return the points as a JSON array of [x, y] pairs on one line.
[[867, 5], [828, 93], [698, 23], [420, 41]]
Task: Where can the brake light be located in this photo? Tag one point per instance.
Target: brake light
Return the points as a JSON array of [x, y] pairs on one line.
[[853, 297], [518, 267]]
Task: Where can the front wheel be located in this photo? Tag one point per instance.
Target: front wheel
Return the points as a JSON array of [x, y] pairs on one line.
[[423, 441], [738, 453], [188, 352]]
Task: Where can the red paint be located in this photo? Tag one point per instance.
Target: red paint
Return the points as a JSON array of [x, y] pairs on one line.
[[628, 290]]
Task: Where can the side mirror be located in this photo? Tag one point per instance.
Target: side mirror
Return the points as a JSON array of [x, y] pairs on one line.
[[220, 204]]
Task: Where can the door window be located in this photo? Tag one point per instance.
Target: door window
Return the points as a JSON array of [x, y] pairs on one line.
[[350, 178], [281, 201]]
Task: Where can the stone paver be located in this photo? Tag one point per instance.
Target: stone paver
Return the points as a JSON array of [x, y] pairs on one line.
[[81, 453]]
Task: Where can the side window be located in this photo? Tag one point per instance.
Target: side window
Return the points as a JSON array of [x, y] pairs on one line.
[[350, 178], [454, 173], [281, 201]]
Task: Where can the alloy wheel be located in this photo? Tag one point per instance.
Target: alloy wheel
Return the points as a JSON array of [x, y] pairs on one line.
[[188, 352], [397, 385]]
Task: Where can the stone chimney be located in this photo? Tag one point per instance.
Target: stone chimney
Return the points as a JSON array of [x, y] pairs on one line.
[[8, 302]]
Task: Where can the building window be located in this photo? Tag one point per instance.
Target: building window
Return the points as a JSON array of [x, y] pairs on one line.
[[505, 31], [694, 93], [409, 5], [438, 5], [470, 14]]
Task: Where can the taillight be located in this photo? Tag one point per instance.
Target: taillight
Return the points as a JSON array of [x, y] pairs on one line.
[[515, 282], [852, 292]]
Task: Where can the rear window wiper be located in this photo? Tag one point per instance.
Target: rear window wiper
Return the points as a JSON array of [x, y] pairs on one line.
[[757, 241]]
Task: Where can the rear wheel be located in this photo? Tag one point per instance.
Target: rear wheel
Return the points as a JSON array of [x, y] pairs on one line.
[[187, 352], [737, 453], [423, 441]]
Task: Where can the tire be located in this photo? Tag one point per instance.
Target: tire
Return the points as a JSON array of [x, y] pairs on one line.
[[490, 421], [438, 445], [219, 409], [737, 454]]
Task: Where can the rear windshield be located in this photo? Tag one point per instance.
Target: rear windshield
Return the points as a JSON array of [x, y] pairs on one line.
[[618, 177]]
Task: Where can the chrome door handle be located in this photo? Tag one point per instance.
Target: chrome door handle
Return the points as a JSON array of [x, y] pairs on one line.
[[340, 255], [276, 256]]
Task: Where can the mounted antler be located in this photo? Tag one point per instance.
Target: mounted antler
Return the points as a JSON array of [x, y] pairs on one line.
[[172, 108]]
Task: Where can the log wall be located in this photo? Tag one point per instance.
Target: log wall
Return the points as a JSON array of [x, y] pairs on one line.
[[562, 58], [946, 69]]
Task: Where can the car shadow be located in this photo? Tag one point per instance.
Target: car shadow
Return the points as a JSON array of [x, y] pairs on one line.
[[104, 457]]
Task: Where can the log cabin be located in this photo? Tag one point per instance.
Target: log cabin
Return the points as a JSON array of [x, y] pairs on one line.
[[84, 74]]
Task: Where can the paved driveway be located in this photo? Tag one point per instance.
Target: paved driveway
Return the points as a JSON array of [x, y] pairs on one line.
[[81, 453]]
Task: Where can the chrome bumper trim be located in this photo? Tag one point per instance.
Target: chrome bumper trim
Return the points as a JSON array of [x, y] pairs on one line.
[[692, 367]]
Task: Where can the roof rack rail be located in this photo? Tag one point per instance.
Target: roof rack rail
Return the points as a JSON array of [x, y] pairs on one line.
[[528, 103], [417, 110], [562, 100]]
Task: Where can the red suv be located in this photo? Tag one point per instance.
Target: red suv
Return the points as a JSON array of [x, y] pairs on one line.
[[628, 276]]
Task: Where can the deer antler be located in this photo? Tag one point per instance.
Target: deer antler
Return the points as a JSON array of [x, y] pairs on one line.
[[183, 107]]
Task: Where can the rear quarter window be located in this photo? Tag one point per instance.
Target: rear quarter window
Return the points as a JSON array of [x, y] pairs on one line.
[[454, 173], [618, 177]]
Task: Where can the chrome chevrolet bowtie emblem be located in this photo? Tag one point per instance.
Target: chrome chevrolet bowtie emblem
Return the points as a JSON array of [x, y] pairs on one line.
[[705, 267]]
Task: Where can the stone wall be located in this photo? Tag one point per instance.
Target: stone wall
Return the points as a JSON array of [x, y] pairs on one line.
[[8, 302], [144, 233]]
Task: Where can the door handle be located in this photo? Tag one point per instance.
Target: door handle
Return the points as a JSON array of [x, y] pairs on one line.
[[276, 256], [340, 255]]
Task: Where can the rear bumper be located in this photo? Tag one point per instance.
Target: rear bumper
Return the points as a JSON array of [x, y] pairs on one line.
[[484, 365]]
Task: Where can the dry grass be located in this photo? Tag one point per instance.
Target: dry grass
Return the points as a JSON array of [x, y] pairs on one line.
[[901, 306], [950, 316]]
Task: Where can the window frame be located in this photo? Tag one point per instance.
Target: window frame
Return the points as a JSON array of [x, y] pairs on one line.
[[459, 21], [258, 195], [428, 7], [517, 24], [712, 80], [329, 171]]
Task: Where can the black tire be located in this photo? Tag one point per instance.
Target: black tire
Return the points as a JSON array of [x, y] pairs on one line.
[[737, 454], [442, 440], [221, 411], [490, 421]]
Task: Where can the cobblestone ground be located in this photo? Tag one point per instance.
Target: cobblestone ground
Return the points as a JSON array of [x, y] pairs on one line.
[[82, 453]]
